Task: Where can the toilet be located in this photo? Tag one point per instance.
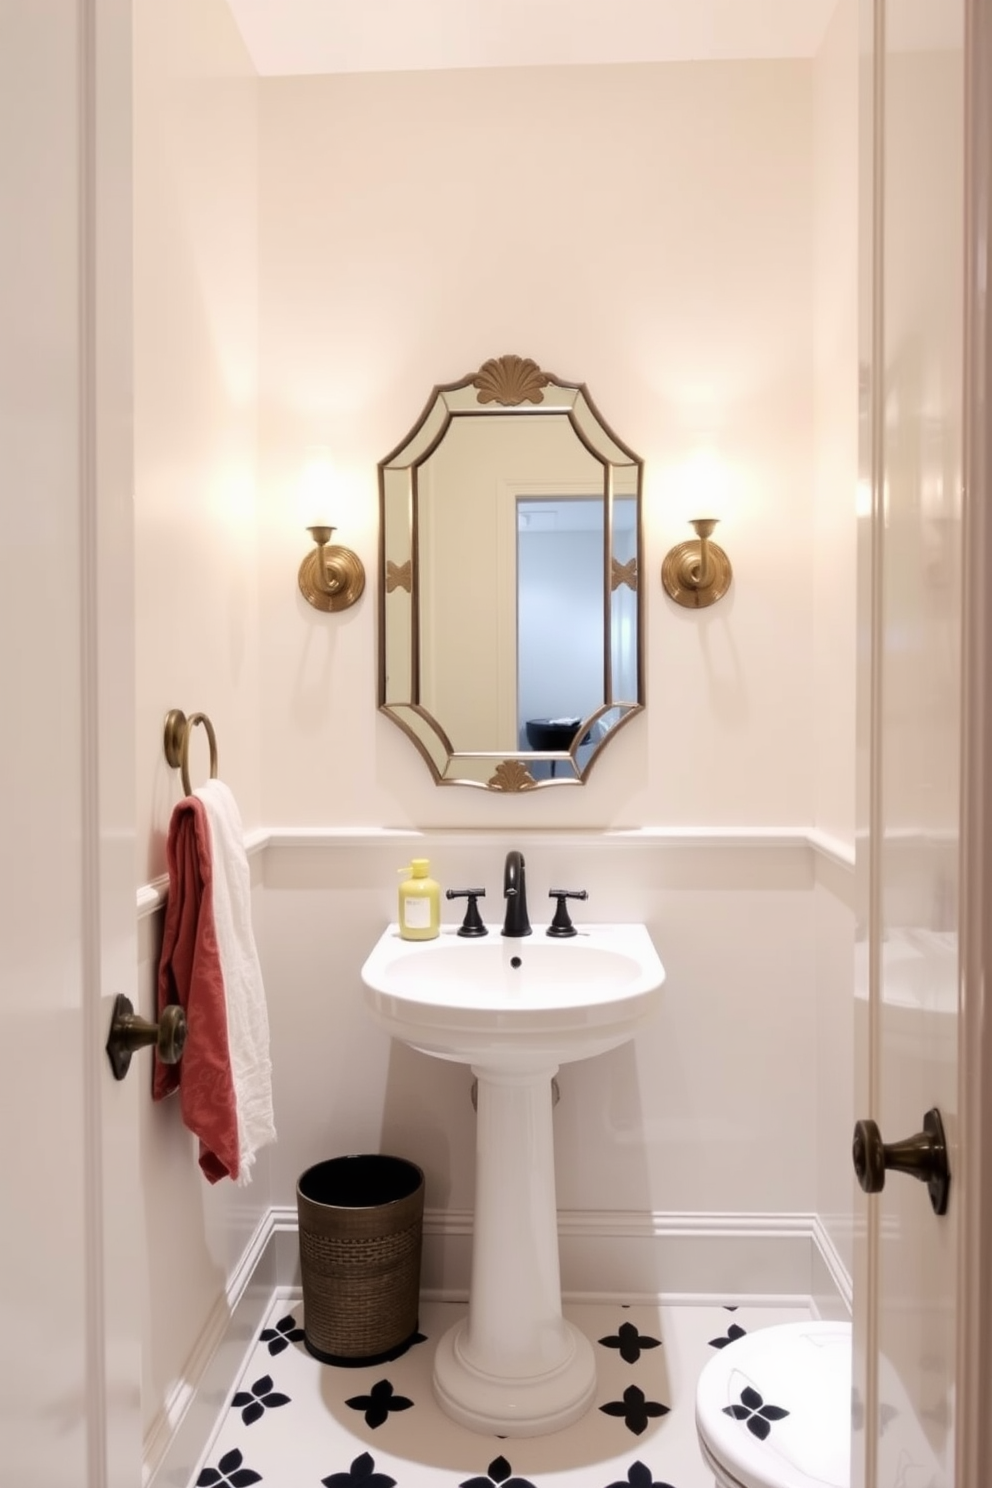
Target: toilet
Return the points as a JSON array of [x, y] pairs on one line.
[[773, 1409]]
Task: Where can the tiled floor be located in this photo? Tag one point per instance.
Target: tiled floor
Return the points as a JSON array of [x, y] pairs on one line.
[[295, 1423]]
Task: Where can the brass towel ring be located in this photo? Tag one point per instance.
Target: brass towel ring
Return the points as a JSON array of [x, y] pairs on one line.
[[178, 729]]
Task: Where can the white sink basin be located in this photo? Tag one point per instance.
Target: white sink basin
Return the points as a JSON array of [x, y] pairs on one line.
[[514, 1003], [514, 1009]]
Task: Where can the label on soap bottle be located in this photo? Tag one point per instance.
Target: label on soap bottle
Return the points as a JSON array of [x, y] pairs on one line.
[[417, 913]]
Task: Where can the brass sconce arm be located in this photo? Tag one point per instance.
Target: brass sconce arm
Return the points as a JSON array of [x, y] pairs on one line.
[[331, 577], [697, 573]]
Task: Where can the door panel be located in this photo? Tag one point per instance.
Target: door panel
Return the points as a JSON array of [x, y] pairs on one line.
[[912, 849], [974, 1158], [69, 1381]]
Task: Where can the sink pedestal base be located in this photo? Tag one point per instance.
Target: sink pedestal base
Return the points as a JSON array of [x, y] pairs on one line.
[[528, 1406], [514, 1367]]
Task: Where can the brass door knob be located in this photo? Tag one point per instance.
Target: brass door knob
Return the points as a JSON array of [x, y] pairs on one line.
[[923, 1156], [128, 1032]]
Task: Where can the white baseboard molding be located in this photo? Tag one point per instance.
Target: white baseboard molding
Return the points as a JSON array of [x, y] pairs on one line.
[[647, 1257], [636, 1256], [605, 1255], [184, 1426]]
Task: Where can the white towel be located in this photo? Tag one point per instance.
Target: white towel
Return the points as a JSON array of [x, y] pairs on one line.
[[247, 1015]]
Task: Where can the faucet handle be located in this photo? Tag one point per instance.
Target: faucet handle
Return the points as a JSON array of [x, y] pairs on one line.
[[472, 923], [561, 925]]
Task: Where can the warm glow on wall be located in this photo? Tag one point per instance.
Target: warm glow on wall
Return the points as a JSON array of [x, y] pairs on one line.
[[318, 488], [697, 573], [704, 485], [331, 577]]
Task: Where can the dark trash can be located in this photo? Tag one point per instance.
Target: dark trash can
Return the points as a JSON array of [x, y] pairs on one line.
[[361, 1236]]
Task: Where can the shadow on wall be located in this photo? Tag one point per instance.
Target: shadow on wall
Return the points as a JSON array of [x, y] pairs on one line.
[[720, 668], [427, 1117]]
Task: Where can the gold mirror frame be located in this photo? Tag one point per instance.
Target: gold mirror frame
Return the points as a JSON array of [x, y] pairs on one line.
[[503, 386]]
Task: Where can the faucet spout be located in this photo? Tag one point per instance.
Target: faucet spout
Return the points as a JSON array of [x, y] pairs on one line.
[[516, 922]]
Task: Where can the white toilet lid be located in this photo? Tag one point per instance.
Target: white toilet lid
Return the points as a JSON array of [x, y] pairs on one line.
[[774, 1408]]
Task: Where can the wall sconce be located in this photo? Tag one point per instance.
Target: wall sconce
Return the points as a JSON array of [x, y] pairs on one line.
[[697, 573], [331, 577]]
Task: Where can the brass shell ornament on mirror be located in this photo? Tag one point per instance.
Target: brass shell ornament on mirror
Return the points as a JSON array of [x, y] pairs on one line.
[[510, 381], [511, 642]]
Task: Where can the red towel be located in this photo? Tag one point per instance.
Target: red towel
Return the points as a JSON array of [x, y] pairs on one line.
[[190, 973]]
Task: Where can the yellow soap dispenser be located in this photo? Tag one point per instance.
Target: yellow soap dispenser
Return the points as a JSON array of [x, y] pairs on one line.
[[420, 903]]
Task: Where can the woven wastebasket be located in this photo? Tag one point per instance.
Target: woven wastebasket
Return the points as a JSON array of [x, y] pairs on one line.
[[361, 1235]]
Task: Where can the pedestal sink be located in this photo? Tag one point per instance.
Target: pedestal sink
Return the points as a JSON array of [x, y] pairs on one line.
[[514, 1009]]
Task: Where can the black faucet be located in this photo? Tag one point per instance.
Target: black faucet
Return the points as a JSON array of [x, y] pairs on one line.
[[516, 922]]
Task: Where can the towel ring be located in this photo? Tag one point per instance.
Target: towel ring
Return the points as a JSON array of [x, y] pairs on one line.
[[178, 729]]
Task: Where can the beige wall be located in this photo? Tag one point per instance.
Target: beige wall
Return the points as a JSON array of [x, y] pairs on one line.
[[411, 227], [196, 357], [196, 622], [835, 327], [650, 230], [646, 229], [835, 261]]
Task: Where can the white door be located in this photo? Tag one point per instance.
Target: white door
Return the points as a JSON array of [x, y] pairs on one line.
[[70, 1241], [911, 607]]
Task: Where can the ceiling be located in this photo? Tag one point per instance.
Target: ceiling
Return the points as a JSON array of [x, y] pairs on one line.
[[286, 37]]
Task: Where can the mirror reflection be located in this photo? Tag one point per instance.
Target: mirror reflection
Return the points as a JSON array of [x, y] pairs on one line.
[[510, 624]]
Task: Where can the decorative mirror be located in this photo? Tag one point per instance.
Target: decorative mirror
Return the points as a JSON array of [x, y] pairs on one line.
[[510, 624]]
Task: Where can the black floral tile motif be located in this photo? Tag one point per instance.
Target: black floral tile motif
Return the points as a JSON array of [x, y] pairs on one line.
[[397, 1353], [635, 1409], [756, 1413], [258, 1400], [282, 1335], [361, 1474], [378, 1403], [638, 1476], [630, 1342], [229, 1473], [500, 1476], [733, 1332], [728, 1308]]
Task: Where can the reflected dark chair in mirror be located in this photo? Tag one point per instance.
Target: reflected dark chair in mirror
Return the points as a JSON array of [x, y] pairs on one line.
[[553, 733]]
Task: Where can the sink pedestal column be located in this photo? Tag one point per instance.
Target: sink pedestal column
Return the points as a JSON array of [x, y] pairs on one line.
[[514, 1366]]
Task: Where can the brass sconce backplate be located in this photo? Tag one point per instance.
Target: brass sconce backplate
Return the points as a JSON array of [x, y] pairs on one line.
[[697, 573], [331, 578]]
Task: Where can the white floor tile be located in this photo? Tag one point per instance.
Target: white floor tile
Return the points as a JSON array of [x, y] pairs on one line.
[[296, 1423]]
